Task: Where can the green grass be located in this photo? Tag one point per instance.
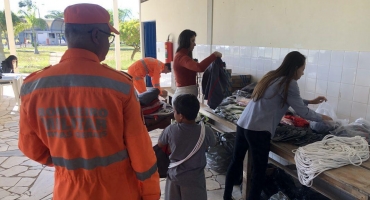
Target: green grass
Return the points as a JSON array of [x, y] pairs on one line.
[[29, 62]]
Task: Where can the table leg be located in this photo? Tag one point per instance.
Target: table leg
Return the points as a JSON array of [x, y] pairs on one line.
[[20, 83], [15, 87], [247, 174]]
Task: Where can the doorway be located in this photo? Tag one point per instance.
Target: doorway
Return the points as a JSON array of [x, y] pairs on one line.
[[150, 43]]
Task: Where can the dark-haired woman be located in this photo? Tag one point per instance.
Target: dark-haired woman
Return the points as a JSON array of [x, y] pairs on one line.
[[185, 68], [272, 97], [9, 64]]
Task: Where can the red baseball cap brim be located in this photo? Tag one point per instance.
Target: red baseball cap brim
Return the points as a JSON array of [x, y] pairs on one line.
[[112, 29]]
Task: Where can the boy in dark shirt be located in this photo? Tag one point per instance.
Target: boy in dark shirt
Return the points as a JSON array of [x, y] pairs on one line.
[[187, 180]]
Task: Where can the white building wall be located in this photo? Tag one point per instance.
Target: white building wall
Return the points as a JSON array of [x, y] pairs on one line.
[[255, 35]]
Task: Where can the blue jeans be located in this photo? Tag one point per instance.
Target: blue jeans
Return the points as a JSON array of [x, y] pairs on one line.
[[258, 142]]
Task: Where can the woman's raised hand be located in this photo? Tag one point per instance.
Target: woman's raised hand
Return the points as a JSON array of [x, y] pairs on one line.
[[318, 100], [217, 54]]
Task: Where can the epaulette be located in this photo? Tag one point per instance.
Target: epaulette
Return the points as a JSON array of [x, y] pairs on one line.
[[127, 75], [38, 71], [121, 72], [106, 66]]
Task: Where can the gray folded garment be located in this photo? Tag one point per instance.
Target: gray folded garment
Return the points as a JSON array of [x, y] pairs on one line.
[[288, 133], [148, 96], [324, 127]]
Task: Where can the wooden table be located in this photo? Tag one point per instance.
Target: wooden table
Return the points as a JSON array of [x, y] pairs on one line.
[[350, 179]]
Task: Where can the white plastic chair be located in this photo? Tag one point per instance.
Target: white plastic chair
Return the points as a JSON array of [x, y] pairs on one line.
[[15, 80]]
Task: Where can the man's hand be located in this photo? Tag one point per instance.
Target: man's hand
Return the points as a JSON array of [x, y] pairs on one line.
[[326, 118], [164, 93], [317, 100]]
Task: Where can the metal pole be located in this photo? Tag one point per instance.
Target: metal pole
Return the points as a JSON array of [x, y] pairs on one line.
[[117, 44]]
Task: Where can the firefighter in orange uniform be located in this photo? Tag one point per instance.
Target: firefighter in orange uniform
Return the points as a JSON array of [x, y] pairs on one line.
[[147, 66], [84, 118]]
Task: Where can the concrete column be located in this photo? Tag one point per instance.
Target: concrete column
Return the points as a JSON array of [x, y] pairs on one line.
[[117, 44], [141, 32], [9, 26], [210, 24]]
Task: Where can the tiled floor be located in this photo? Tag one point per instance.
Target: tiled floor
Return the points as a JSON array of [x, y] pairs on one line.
[[22, 178]]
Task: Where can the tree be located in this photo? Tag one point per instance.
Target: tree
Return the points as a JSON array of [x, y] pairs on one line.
[[31, 21], [54, 14], [130, 35], [25, 3], [4, 29], [123, 15]]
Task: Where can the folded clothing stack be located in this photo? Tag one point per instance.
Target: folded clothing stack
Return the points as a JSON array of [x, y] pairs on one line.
[[149, 101]]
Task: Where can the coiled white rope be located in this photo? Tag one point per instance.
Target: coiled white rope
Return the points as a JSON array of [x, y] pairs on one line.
[[332, 152]]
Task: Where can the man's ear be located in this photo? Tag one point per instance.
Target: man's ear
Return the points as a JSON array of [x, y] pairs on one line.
[[181, 116], [95, 35]]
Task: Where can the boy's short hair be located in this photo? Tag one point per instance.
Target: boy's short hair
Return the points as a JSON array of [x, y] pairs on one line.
[[187, 105]]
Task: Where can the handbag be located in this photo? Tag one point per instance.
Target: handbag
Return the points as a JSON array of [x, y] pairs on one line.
[[163, 161]]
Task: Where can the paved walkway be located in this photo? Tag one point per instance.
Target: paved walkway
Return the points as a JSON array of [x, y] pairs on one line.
[[22, 178]]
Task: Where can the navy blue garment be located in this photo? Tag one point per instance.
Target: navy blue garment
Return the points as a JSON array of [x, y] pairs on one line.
[[5, 68], [215, 83]]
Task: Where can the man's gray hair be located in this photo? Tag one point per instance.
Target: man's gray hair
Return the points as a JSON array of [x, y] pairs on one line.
[[75, 32]]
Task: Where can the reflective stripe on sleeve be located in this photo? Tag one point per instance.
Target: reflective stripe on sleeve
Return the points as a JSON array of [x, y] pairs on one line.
[[147, 174], [157, 85], [89, 164], [138, 78], [145, 66], [75, 81]]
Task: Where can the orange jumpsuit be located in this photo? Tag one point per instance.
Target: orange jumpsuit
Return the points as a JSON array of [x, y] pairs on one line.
[[84, 119], [146, 66]]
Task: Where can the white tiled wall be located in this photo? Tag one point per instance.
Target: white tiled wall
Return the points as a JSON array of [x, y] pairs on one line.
[[160, 51], [342, 76], [166, 79]]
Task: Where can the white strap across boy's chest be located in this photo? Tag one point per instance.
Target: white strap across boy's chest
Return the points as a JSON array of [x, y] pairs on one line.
[[196, 148]]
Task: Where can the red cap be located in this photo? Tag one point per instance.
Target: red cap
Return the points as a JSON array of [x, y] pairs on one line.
[[86, 13]]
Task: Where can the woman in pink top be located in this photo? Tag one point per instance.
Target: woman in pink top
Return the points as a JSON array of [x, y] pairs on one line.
[[185, 68]]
